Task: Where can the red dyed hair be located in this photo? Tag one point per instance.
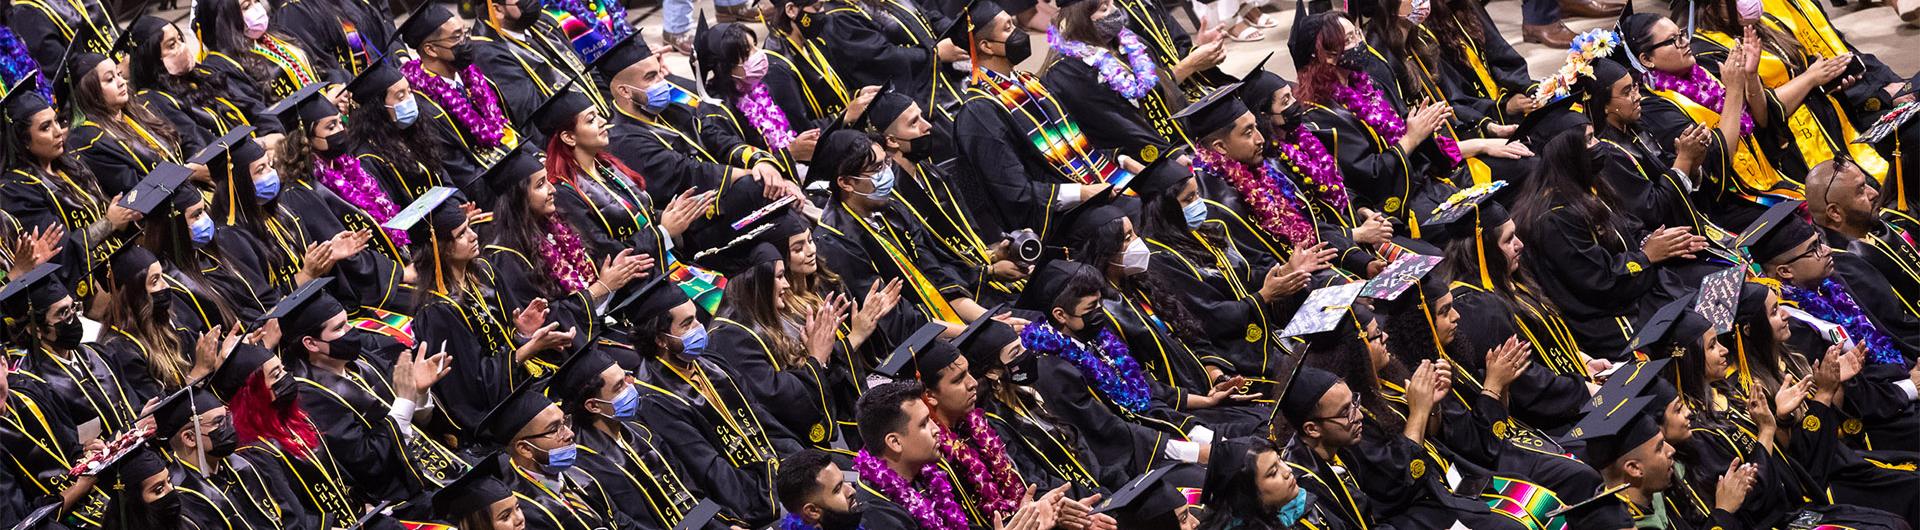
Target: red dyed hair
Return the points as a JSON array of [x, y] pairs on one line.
[[561, 167], [1320, 77], [256, 417]]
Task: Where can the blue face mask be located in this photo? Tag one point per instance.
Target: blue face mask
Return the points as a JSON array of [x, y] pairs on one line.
[[882, 184], [1296, 508], [693, 343], [1196, 213], [627, 404], [201, 230], [659, 95], [268, 186], [560, 458], [406, 111]]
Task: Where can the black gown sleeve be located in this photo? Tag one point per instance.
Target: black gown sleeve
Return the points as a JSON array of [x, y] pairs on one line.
[[479, 378], [1019, 197], [1373, 176], [116, 169], [791, 394], [1109, 120], [668, 171], [1114, 441], [690, 439], [362, 442]]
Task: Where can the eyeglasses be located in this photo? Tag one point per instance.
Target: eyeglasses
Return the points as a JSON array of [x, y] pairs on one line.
[[1677, 40], [1349, 412], [566, 425], [1819, 249]]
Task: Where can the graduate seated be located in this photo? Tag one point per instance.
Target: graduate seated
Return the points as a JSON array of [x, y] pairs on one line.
[[816, 493], [538, 442], [1872, 248], [901, 468], [1250, 486]]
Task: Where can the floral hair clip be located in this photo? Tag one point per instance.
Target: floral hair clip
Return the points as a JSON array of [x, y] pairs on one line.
[[1586, 47]]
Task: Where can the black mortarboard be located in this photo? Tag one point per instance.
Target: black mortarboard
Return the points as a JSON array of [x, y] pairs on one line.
[[561, 111], [886, 107], [137, 465], [1144, 502], [1214, 112], [834, 149], [304, 108], [433, 204], [764, 253], [977, 14], [1302, 396], [1541, 115], [305, 312], [982, 346], [180, 409], [1463, 202], [18, 306], [1615, 431], [917, 350], [1661, 327], [624, 53], [1323, 310], [702, 513], [578, 379], [520, 162], [46, 510], [974, 329], [370, 86], [156, 187], [1304, 41], [231, 149], [657, 297], [1626, 383], [1163, 176], [232, 375], [1050, 280], [1090, 220], [512, 414], [1257, 87], [477, 489], [22, 102], [424, 23], [1464, 212], [1778, 231], [1631, 26]]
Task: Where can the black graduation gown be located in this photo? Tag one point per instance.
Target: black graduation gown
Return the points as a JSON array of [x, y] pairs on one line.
[[1472, 64], [1849, 476], [1170, 42], [1719, 189], [802, 397], [477, 329], [577, 503], [860, 252], [803, 84], [1332, 223], [1138, 127], [928, 196], [608, 210], [1220, 291], [46, 27], [890, 45], [678, 151], [729, 449], [1594, 286], [882, 513], [325, 497], [242, 93], [247, 272], [120, 349], [513, 276], [350, 411], [117, 164], [465, 157], [88, 387], [1404, 186], [338, 35], [39, 201], [1048, 454], [526, 77], [402, 181], [1547, 394], [1336, 495], [207, 504], [1890, 248], [1410, 482], [641, 480], [196, 125], [370, 279], [1013, 185], [726, 116], [1874, 292], [1127, 442], [40, 441]]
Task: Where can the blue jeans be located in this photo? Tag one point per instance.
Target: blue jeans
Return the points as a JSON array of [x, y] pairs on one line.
[[1532, 12], [679, 13]]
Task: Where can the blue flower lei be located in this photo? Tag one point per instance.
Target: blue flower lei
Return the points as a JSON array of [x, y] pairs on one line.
[[1832, 303], [793, 522], [1134, 84], [1109, 367]]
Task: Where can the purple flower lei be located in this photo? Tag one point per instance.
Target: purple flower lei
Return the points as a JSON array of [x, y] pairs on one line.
[[15, 64], [565, 258], [1832, 303], [1133, 80], [1700, 87], [766, 117], [1317, 168], [934, 510], [792, 522], [351, 182], [1276, 204], [1113, 372], [476, 107], [1365, 101], [984, 458]]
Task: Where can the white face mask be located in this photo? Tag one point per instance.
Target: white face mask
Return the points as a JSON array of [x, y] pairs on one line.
[[1421, 8], [256, 20], [1134, 259], [1750, 9]]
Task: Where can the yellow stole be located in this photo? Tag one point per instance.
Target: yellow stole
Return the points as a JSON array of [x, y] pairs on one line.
[[1754, 174], [1809, 135]]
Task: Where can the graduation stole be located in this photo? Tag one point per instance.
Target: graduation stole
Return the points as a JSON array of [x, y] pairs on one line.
[[114, 416], [742, 438], [1898, 246], [295, 70], [818, 434], [955, 232], [653, 125], [1228, 272], [433, 464], [478, 313], [1554, 346], [321, 483], [411, 190], [939, 82], [569, 497], [931, 301], [1449, 141], [1719, 237], [816, 63], [1816, 144], [91, 510], [98, 36], [619, 226], [1472, 55], [1342, 485], [1754, 177], [1530, 504], [1048, 128], [668, 495], [1052, 453], [1808, 24]]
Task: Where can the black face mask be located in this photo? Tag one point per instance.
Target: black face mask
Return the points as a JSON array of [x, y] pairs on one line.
[[1355, 59], [283, 390], [1018, 46], [1023, 368], [336, 145], [849, 520], [462, 55], [222, 440], [921, 148], [529, 15], [343, 348], [166, 509], [67, 334], [162, 305], [1092, 322], [810, 26]]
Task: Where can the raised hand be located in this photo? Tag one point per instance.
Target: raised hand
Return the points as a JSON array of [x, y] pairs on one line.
[[120, 216], [881, 299], [1792, 393], [1732, 490], [1312, 259], [1281, 281], [1672, 242], [617, 271], [531, 317], [1375, 230], [35, 248], [822, 327], [858, 106], [268, 336], [683, 210], [1505, 363], [548, 337]]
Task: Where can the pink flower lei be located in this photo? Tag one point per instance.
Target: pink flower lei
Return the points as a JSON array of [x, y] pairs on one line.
[[344, 175], [934, 510], [984, 458], [1366, 102], [476, 107], [565, 257], [1700, 87], [1276, 204], [758, 106], [1134, 80], [1309, 158]]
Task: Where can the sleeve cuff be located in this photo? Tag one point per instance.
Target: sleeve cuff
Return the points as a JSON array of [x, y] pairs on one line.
[[1200, 435], [402, 415], [1183, 451], [1906, 387], [1068, 197]]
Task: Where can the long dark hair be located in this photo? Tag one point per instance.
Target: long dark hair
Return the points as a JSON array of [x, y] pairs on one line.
[[1456, 23], [1104, 246], [1510, 285], [378, 134], [147, 70], [732, 43], [750, 302], [1075, 23], [1723, 17], [1395, 31], [1343, 352], [130, 310], [1234, 494], [516, 227], [92, 104], [1567, 170], [1752, 336], [69, 163], [171, 241]]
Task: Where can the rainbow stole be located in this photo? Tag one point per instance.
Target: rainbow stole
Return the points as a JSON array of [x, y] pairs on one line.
[[701, 285], [1525, 502], [356, 43], [388, 323], [1057, 138], [590, 38]]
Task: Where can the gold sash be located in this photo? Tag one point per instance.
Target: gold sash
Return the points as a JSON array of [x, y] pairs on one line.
[[1753, 175]]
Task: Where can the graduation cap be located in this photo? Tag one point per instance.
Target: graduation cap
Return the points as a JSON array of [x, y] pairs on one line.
[[1614, 431], [971, 17], [560, 111], [429, 205], [1463, 202], [231, 376], [156, 188], [482, 485], [1777, 232], [1404, 272], [138, 463], [1533, 120], [304, 107], [1323, 310], [1216, 111], [182, 408], [1304, 41], [1631, 24], [1673, 323], [520, 163], [983, 340], [235, 149], [503, 423], [1144, 502], [1719, 294], [656, 297], [45, 512], [14, 296], [1303, 389], [624, 53], [425, 21], [369, 87], [886, 107], [924, 350], [305, 312], [702, 513], [20, 105], [1629, 381], [1257, 87], [578, 379]]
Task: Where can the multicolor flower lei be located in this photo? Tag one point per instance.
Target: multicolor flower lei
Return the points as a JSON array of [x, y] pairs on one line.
[[1310, 159], [984, 458], [1109, 367], [1133, 80], [1580, 55], [1276, 203], [566, 258], [611, 15], [1832, 303], [1701, 87], [934, 510], [766, 117], [476, 107], [16, 64], [1366, 102], [344, 175]]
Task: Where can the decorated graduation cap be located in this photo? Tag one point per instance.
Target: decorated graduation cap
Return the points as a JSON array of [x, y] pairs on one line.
[[180, 409], [624, 53], [304, 108], [41, 514], [305, 312], [1628, 381], [482, 485], [1147, 501], [1406, 271], [157, 188], [231, 376], [424, 23], [922, 355], [1613, 432], [1323, 310], [1542, 120], [504, 422], [1776, 233], [1215, 111], [429, 220]]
